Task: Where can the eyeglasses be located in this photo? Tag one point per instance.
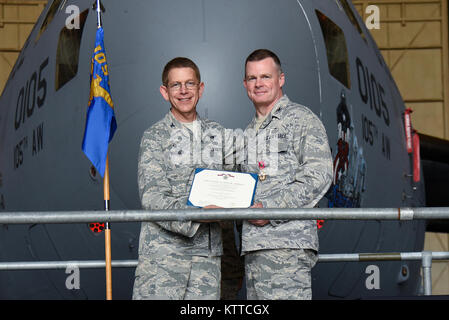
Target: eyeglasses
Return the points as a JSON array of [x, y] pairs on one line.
[[189, 85]]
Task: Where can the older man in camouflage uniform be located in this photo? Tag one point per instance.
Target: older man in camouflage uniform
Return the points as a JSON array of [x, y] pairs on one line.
[[279, 255], [178, 259]]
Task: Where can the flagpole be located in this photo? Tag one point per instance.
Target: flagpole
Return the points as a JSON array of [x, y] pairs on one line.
[[107, 234], [107, 231], [98, 14]]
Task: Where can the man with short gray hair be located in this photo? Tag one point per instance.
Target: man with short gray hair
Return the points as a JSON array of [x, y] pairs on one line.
[[177, 259], [279, 254]]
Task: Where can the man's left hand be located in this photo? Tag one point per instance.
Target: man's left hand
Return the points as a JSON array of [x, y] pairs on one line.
[[259, 223]]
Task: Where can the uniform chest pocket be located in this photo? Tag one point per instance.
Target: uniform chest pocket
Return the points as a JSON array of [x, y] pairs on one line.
[[277, 141], [283, 145], [180, 179], [177, 156]]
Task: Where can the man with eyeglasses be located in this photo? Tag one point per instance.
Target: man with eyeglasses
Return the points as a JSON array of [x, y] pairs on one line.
[[279, 254], [178, 259]]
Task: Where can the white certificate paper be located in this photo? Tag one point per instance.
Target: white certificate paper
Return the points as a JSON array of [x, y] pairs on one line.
[[225, 189]]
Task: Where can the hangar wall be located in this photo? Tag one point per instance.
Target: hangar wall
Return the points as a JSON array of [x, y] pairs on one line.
[[17, 18], [413, 38]]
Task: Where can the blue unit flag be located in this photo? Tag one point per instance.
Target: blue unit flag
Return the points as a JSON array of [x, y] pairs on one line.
[[100, 119]]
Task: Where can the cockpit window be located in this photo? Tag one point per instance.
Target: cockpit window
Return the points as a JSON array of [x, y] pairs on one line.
[[352, 18], [336, 50], [49, 17], [67, 55]]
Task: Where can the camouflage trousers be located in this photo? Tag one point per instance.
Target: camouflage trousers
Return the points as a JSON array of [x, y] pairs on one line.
[[177, 277], [279, 274]]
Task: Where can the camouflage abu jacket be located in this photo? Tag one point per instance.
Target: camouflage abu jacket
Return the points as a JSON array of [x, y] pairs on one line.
[[296, 168], [168, 156]]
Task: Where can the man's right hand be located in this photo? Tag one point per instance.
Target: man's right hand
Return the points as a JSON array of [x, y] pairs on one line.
[[211, 206]]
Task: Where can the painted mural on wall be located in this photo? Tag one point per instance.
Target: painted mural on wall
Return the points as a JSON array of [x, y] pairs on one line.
[[349, 173]]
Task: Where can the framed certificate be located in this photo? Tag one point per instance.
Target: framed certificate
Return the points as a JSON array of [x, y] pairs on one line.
[[225, 189]]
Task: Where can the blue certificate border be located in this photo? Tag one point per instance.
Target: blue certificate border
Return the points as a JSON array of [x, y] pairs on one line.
[[197, 170]]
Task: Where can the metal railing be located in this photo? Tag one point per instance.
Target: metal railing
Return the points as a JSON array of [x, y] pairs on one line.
[[30, 217], [47, 217], [426, 258]]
